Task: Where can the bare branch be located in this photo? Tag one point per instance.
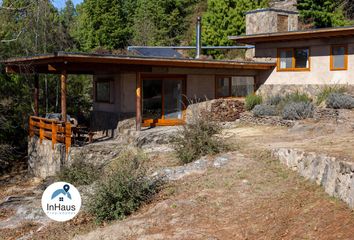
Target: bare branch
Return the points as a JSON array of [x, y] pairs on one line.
[[12, 40]]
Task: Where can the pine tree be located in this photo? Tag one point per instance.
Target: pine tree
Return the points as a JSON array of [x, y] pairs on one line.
[[104, 23], [226, 18], [161, 22], [322, 13]]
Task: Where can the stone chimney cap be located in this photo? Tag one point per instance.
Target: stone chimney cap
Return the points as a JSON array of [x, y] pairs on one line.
[[272, 10]]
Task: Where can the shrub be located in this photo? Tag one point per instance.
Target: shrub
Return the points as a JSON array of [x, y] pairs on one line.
[[297, 110], [297, 97], [252, 100], [327, 90], [340, 101], [274, 100], [124, 190], [196, 140], [79, 173], [264, 110]]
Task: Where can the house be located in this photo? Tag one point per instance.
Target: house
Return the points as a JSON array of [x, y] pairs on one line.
[[305, 60], [154, 90]]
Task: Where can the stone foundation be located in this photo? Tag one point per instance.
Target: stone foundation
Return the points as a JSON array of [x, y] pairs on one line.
[[43, 160], [247, 117], [336, 176], [312, 90]]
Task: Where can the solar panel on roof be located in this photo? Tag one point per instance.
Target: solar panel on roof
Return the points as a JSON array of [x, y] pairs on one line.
[[158, 52]]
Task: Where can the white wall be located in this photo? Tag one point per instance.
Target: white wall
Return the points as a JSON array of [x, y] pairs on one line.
[[320, 63]]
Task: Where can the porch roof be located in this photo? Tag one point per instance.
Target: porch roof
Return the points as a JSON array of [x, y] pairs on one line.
[[294, 35], [81, 63]]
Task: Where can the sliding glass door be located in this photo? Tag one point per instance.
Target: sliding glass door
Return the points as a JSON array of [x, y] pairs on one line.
[[162, 100]]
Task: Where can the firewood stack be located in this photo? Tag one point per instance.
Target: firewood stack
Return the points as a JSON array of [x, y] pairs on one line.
[[225, 110]]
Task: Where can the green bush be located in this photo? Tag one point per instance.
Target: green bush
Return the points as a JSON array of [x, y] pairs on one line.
[[297, 97], [196, 140], [340, 101], [264, 110], [124, 190], [327, 90], [79, 173], [274, 100], [252, 100], [297, 110]]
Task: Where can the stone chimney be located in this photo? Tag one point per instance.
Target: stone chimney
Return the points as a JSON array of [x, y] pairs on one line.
[[280, 17], [289, 5]]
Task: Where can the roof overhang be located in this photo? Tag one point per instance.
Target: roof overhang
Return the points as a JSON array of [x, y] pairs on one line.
[[294, 35], [79, 63]]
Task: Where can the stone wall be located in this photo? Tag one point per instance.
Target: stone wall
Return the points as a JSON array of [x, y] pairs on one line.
[[43, 160], [336, 176], [247, 117], [312, 90], [219, 110], [266, 20]]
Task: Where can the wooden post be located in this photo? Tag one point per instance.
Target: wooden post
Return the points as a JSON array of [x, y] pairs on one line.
[[54, 134], [36, 95], [41, 130], [63, 79], [67, 137], [30, 127], [138, 102]]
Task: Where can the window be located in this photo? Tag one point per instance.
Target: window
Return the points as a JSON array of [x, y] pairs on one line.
[[234, 86], [293, 59], [339, 57], [103, 90]]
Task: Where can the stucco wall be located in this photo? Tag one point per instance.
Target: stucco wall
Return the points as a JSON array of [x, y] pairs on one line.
[[115, 104], [128, 92], [201, 86], [319, 73]]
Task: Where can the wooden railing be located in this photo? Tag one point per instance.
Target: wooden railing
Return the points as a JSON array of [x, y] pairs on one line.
[[54, 130]]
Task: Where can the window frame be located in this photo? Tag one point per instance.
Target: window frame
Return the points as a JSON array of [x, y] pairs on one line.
[[229, 95], [331, 64], [293, 63], [103, 80]]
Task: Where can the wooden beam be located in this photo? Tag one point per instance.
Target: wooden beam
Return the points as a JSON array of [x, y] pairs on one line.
[[63, 79], [36, 95], [51, 68], [138, 102]]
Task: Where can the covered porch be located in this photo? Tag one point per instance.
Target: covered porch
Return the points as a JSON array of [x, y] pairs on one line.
[[154, 91]]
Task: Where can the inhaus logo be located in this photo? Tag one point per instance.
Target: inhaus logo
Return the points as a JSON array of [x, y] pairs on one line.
[[61, 201]]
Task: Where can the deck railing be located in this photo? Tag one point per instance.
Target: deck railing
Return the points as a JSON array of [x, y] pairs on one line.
[[54, 130]]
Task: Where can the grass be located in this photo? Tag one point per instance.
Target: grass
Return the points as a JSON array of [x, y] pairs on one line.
[[252, 100], [79, 173], [327, 90]]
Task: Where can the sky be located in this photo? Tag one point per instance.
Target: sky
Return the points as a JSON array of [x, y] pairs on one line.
[[61, 3]]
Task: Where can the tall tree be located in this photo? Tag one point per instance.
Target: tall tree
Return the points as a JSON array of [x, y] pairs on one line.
[[226, 18], [161, 22], [104, 23], [322, 13]]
